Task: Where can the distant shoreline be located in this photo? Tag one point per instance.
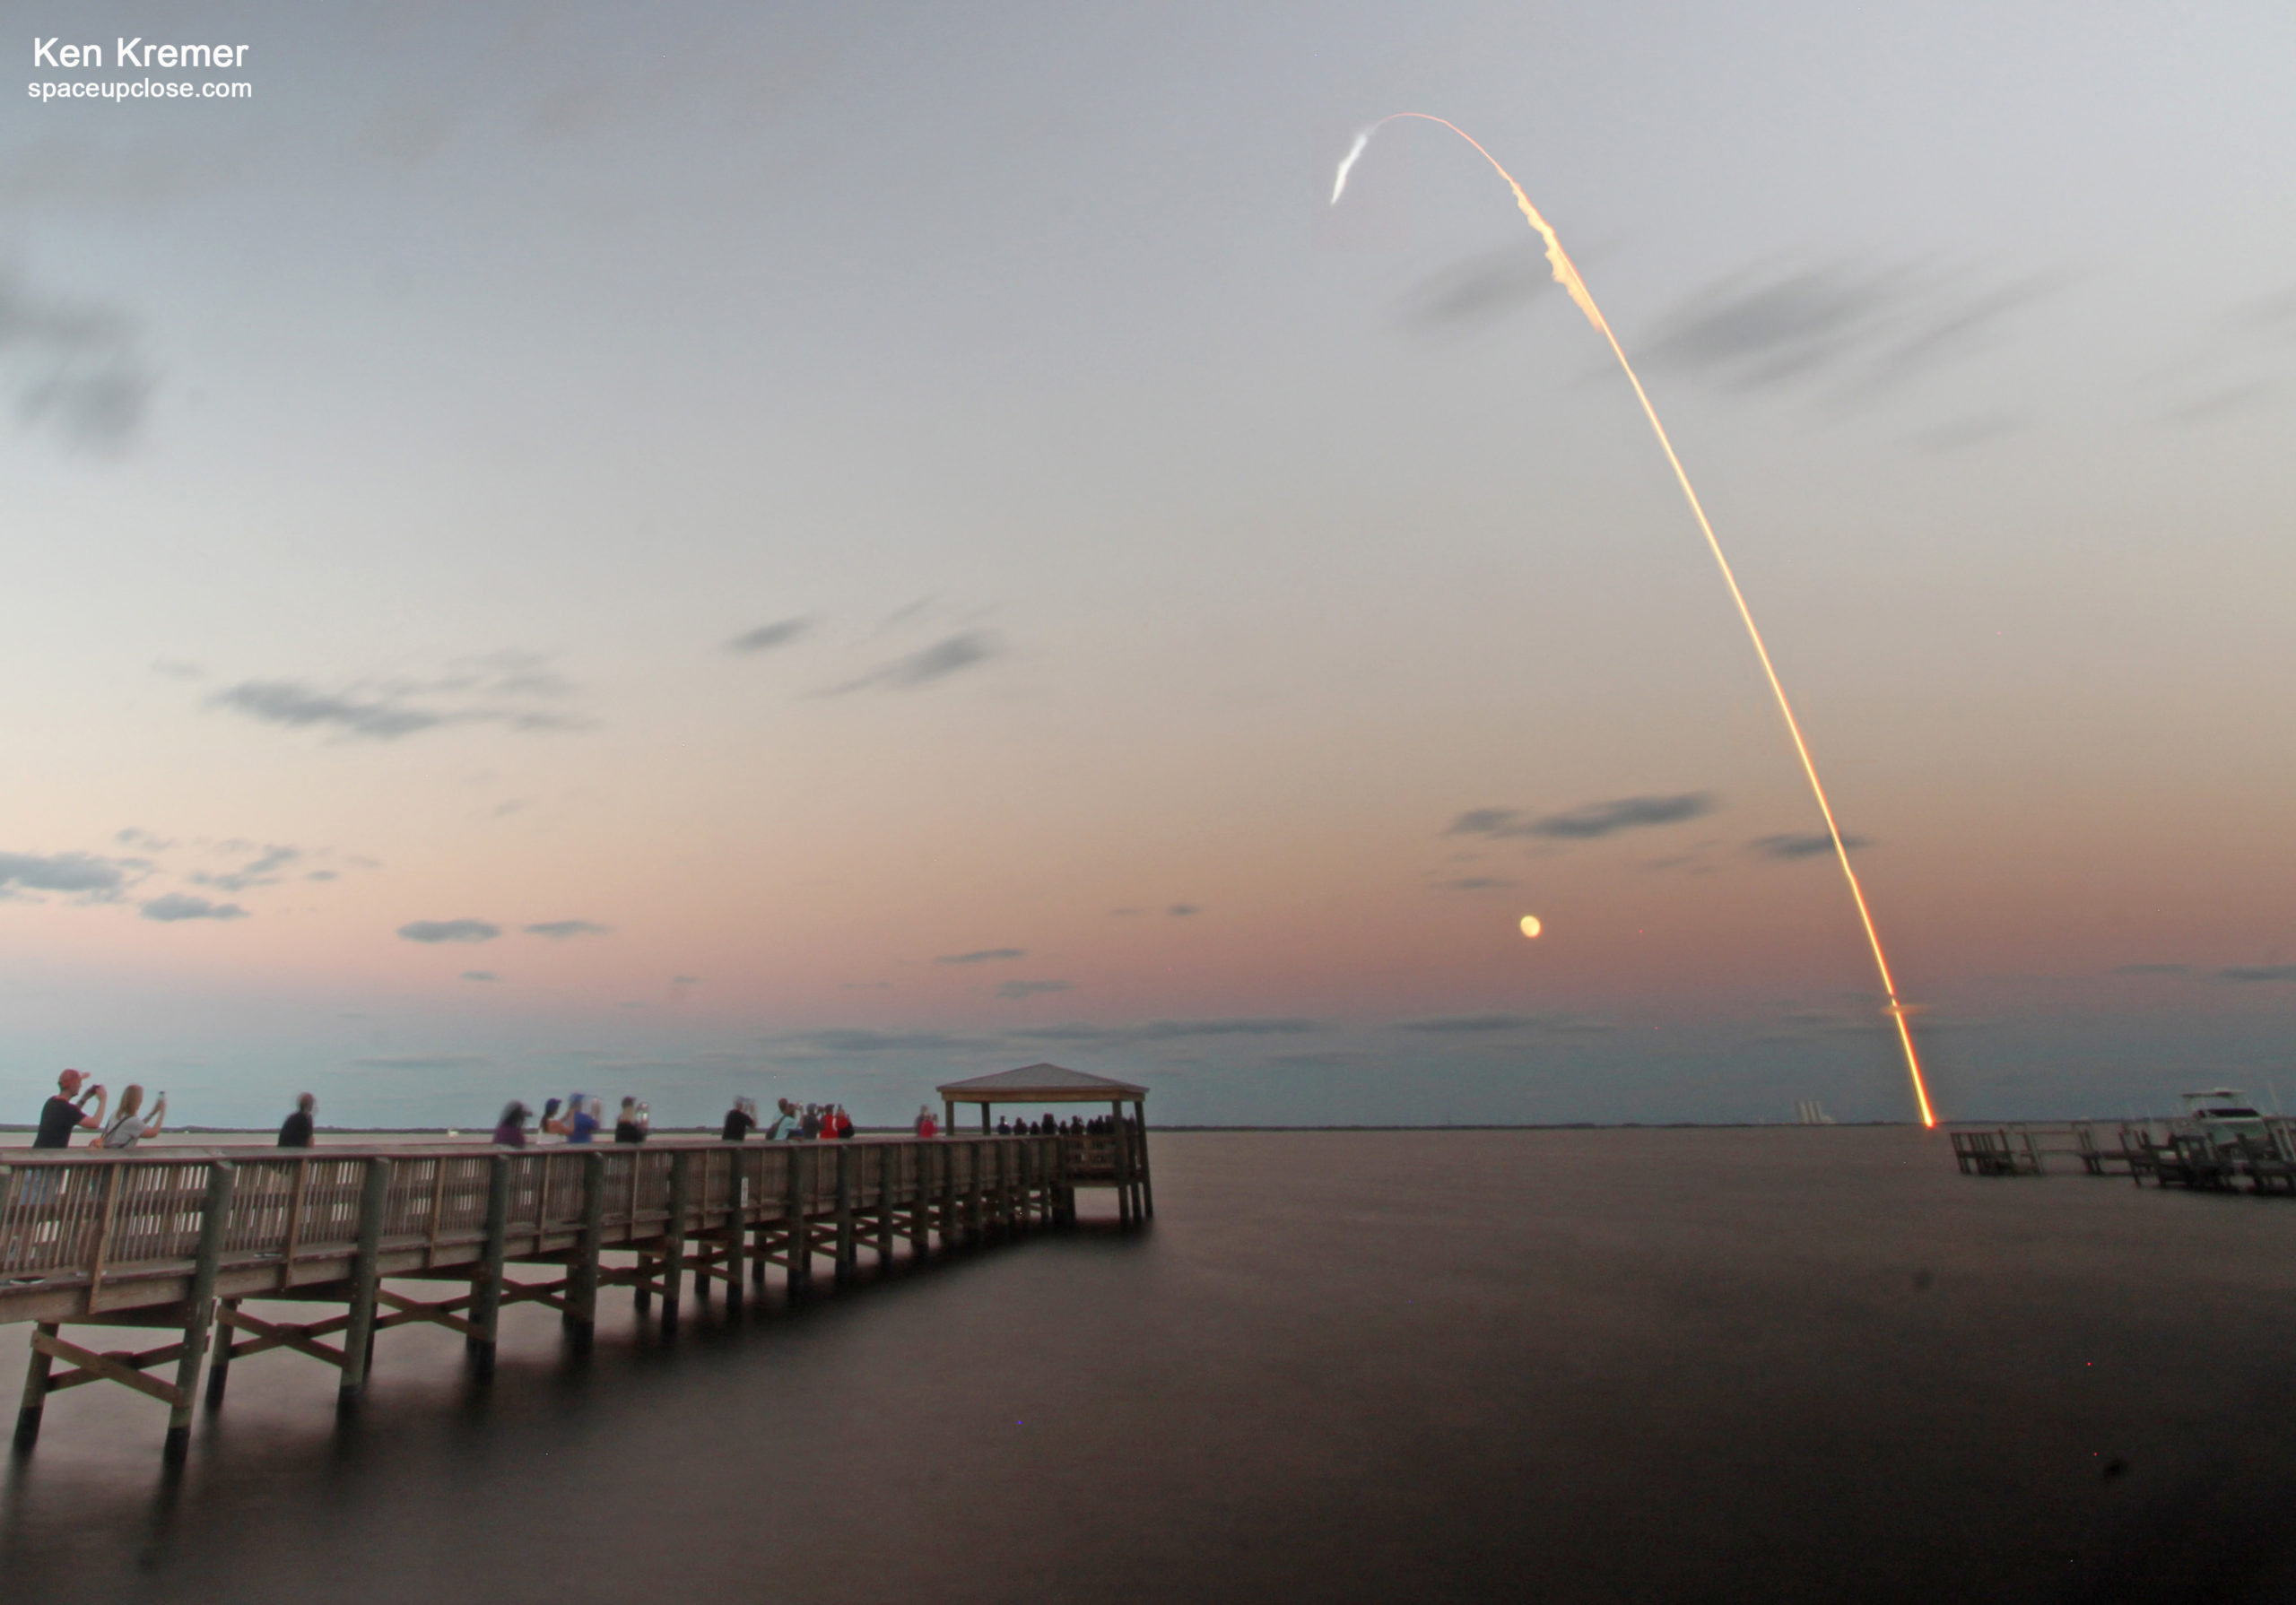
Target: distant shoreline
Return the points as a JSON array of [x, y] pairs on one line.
[[884, 1131]]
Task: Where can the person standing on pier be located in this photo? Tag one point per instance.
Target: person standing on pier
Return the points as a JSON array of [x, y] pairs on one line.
[[635, 1121], [511, 1130], [130, 1125], [68, 1111], [740, 1121], [579, 1123], [295, 1131]]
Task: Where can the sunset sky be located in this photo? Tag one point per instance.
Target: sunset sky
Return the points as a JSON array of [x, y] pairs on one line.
[[808, 552]]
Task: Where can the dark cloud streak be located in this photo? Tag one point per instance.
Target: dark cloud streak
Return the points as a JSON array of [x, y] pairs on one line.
[[1589, 821]]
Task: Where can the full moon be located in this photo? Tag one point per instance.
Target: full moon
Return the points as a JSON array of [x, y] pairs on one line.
[[1531, 924]]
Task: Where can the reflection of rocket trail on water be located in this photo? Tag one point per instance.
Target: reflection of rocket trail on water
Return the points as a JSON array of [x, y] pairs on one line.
[[1566, 273]]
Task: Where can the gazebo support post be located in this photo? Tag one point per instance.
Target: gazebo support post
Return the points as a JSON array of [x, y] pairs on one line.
[[1147, 1185], [1123, 1163]]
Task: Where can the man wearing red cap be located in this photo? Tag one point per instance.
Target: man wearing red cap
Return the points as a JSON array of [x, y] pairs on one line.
[[67, 1112]]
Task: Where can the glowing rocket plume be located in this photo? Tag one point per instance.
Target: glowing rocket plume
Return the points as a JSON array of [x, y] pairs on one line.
[[1566, 273]]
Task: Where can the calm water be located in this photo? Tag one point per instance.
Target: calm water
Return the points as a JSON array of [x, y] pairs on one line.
[[1595, 1366]]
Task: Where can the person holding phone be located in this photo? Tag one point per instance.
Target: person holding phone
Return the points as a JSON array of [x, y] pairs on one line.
[[131, 1126], [68, 1111]]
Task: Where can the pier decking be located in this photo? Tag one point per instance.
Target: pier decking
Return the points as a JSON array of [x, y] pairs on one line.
[[178, 1242]]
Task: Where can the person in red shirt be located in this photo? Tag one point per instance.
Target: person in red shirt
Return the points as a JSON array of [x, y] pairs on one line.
[[844, 1122]]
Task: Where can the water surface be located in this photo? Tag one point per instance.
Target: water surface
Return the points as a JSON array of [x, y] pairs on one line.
[[1561, 1365]]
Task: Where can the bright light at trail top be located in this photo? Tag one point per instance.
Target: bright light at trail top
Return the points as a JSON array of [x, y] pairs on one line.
[[1566, 273]]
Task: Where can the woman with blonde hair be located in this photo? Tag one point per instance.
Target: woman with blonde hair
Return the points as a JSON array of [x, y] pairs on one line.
[[129, 1126]]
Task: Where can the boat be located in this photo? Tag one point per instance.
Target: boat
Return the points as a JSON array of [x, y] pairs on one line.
[[2224, 1115]]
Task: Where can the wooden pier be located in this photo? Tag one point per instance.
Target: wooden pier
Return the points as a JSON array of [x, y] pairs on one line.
[[178, 1243], [2168, 1153]]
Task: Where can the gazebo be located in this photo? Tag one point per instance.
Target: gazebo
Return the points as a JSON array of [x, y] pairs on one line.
[[1118, 1160]]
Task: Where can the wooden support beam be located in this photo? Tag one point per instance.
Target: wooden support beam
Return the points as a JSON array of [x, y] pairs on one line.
[[919, 1168], [36, 1376], [486, 1286], [122, 1369], [799, 1237], [886, 1165], [1063, 1191], [405, 1310], [1140, 1134], [304, 1338], [848, 1252], [760, 1243], [582, 1277], [737, 1226], [674, 1238], [366, 1279], [219, 1363], [199, 1317], [1123, 1164]]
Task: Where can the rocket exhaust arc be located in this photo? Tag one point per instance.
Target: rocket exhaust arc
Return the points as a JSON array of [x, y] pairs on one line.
[[1566, 273]]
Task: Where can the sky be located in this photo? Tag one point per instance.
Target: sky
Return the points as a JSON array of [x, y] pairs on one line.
[[810, 552]]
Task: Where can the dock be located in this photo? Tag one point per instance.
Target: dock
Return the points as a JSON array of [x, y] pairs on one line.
[[177, 1242], [2168, 1153]]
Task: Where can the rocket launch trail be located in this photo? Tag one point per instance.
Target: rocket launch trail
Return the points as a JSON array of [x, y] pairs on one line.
[[1566, 273]]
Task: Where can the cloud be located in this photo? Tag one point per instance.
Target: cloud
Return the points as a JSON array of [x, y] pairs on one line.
[[855, 1041], [450, 930], [514, 690], [1475, 292], [1810, 845], [293, 704], [560, 930], [173, 670], [1167, 1030], [2226, 401], [77, 368], [1491, 1025], [2154, 969], [1016, 990], [1470, 1025], [765, 637], [1866, 329], [480, 975], [1588, 821], [1960, 434], [927, 665], [1180, 911], [983, 956], [2274, 314], [262, 870], [424, 1061], [182, 905], [2258, 972], [1474, 883], [64, 872]]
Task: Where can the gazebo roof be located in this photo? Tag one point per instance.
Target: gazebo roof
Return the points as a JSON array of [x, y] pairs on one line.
[[1040, 1084]]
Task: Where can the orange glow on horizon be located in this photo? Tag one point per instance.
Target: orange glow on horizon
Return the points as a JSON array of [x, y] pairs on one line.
[[1566, 273]]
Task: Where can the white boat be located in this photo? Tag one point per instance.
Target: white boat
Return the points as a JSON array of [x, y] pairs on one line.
[[2224, 1115]]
